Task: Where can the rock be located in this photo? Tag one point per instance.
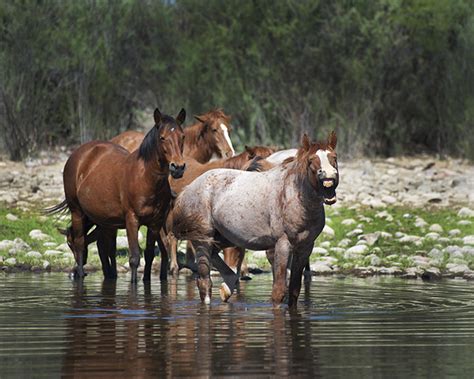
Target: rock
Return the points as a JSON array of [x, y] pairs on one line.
[[121, 269], [409, 239], [330, 261], [320, 268], [52, 253], [384, 215], [337, 250], [261, 254], [436, 228], [469, 275], [389, 199], [10, 261], [435, 253], [6, 245], [68, 255], [348, 221], [46, 265], [465, 213], [319, 251], [34, 254], [358, 249], [451, 249], [390, 271], [11, 217], [328, 231], [400, 234], [325, 244], [38, 235], [411, 273], [370, 238], [468, 240], [420, 223], [432, 236], [361, 242], [464, 222], [431, 273], [457, 269], [344, 242], [50, 244], [468, 250], [122, 243], [374, 260], [354, 232], [454, 232], [418, 260], [63, 247]]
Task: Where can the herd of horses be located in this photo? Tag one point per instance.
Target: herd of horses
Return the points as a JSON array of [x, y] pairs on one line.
[[188, 184]]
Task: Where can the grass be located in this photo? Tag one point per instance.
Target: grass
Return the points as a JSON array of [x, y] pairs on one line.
[[390, 252]]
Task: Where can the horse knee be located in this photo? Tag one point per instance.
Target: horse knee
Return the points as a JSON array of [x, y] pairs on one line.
[[134, 262]]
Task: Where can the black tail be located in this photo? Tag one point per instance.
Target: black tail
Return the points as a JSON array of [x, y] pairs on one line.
[[255, 164], [61, 207]]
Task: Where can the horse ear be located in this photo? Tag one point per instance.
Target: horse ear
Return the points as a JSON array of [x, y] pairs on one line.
[[250, 151], [332, 140], [305, 142], [181, 117], [157, 116], [200, 119]]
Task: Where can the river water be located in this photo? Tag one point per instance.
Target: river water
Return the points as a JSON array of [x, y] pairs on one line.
[[376, 327]]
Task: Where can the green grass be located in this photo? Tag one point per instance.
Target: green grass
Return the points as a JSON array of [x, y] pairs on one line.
[[391, 251]]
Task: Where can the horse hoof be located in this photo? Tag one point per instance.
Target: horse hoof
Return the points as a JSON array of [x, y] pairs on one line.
[[225, 292], [245, 278], [207, 300]]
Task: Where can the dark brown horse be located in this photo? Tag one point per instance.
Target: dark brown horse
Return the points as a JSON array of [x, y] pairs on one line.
[[107, 186], [208, 137]]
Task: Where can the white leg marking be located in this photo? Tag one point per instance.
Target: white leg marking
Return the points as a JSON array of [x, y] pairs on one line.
[[227, 138]]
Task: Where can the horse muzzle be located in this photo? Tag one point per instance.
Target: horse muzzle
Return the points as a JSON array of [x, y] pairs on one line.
[[329, 190], [177, 171]]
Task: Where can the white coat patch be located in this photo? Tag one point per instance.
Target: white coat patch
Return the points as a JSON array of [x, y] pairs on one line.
[[227, 138], [327, 167]]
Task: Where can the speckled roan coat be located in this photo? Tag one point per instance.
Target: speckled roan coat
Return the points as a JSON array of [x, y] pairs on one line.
[[281, 208]]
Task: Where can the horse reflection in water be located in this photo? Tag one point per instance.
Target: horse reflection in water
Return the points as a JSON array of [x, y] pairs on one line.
[[125, 333]]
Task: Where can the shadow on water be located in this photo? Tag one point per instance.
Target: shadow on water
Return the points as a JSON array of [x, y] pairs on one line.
[[50, 326]]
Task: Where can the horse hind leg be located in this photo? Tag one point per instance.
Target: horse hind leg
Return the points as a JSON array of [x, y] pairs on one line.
[[106, 244], [78, 231], [204, 282]]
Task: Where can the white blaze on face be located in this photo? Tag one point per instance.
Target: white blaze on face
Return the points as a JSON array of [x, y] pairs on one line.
[[227, 138], [327, 167]]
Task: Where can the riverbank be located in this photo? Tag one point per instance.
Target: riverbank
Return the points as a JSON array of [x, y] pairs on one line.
[[406, 217]]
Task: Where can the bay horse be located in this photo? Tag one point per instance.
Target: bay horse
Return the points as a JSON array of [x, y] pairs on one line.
[[207, 138], [193, 170], [107, 186], [281, 209]]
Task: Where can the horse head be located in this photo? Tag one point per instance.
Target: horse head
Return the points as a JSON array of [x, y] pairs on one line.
[[166, 139], [321, 162], [215, 130]]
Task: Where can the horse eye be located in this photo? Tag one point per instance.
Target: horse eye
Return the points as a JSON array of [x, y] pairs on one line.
[[214, 130]]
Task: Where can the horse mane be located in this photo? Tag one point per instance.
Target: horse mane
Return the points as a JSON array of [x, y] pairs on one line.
[[259, 164]]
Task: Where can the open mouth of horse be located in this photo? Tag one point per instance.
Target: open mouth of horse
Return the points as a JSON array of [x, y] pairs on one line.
[[329, 191]]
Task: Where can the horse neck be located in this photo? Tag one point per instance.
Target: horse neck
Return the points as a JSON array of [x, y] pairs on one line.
[[153, 171], [297, 183], [194, 146]]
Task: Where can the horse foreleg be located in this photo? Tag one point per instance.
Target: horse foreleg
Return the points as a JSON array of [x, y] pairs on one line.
[[173, 244], [231, 278], [151, 237], [280, 264], [298, 263], [132, 226], [204, 282], [164, 259]]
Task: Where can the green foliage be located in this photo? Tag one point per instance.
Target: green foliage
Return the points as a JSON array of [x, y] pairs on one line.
[[392, 76]]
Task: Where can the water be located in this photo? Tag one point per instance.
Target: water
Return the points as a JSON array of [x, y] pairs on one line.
[[379, 327]]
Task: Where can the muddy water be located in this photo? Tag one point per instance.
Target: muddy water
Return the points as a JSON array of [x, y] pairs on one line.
[[52, 327]]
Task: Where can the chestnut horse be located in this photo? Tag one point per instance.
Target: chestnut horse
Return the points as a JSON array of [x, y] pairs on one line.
[[282, 208], [203, 140], [107, 186], [193, 170]]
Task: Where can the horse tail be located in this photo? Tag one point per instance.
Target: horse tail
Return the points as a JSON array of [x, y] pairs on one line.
[[259, 164], [192, 227], [61, 207]]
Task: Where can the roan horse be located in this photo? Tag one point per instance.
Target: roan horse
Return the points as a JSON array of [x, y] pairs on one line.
[[107, 186], [282, 208], [207, 138], [193, 170]]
